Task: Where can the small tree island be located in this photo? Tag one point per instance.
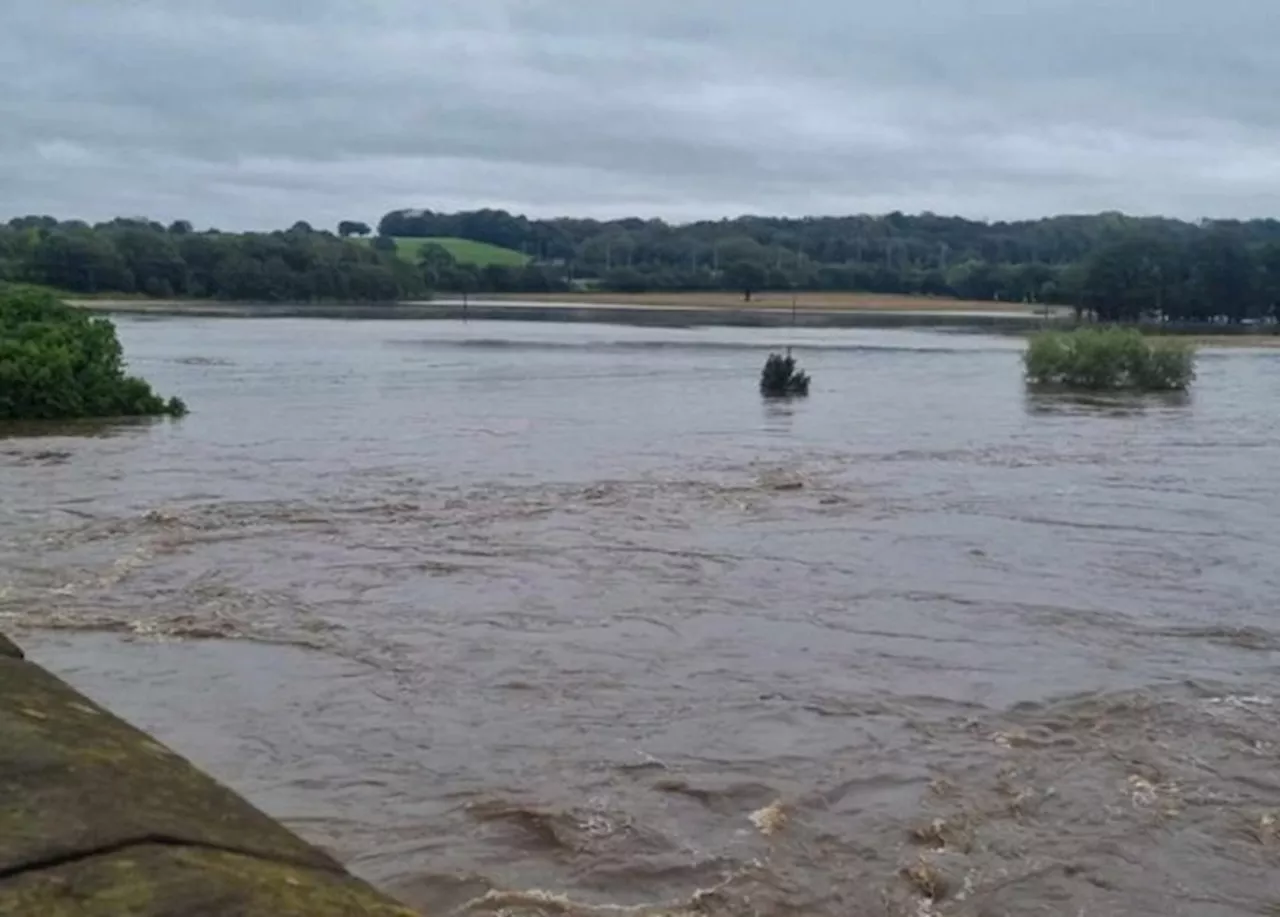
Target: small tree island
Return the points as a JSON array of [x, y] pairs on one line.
[[1108, 360], [60, 363]]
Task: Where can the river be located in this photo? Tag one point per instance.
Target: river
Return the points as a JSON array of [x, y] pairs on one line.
[[563, 619]]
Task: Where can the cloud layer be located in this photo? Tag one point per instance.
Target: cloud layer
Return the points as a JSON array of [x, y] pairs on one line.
[[255, 113]]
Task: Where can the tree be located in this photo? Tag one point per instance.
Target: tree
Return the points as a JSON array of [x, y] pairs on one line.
[[461, 279], [1268, 278], [499, 278], [384, 244], [33, 222], [436, 257], [626, 280], [534, 279], [349, 228], [153, 259], [1130, 277], [1026, 282], [372, 283], [1222, 276], [780, 377], [59, 363], [746, 276], [82, 262], [974, 279]]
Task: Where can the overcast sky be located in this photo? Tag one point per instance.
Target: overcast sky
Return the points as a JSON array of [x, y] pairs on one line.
[[256, 113]]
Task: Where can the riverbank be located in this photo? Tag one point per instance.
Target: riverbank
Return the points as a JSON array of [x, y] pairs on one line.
[[815, 310], [803, 300], [1243, 339], [682, 310]]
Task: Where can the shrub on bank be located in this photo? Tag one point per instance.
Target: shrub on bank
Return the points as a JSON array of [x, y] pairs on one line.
[[61, 363], [1109, 359]]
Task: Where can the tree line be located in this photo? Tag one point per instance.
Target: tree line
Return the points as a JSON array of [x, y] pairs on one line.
[[1112, 266], [1115, 267], [135, 256]]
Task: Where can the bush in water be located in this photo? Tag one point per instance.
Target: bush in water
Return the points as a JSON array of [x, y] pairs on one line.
[[781, 379], [1109, 359], [60, 363]]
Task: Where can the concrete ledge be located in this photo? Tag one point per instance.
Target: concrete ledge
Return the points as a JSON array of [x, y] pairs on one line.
[[153, 880], [97, 818]]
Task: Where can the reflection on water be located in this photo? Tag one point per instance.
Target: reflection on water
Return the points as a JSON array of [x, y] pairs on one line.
[[1119, 404], [780, 413], [78, 429], [560, 619]]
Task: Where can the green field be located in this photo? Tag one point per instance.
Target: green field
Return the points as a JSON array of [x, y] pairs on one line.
[[464, 251]]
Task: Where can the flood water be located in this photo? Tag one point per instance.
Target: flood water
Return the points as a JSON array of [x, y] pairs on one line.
[[562, 619]]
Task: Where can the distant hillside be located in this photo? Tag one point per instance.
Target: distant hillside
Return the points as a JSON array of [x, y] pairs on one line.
[[464, 251], [1115, 266]]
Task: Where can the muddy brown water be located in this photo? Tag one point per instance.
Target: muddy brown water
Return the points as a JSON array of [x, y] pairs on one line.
[[530, 619]]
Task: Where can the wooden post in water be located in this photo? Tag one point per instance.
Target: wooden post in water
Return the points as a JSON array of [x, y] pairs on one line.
[[97, 819]]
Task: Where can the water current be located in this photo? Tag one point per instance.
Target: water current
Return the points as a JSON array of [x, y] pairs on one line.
[[537, 619]]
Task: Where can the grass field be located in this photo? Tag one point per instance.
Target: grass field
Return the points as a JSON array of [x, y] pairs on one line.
[[464, 251]]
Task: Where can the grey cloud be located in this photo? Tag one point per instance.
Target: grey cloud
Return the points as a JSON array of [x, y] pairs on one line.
[[242, 113]]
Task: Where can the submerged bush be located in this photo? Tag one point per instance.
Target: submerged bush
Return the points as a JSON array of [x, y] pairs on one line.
[[1109, 359], [781, 379], [61, 363]]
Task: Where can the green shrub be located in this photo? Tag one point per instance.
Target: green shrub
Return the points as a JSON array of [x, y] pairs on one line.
[[1109, 359], [780, 377], [61, 363]]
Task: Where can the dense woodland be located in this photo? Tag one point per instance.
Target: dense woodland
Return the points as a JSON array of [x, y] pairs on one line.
[[139, 256], [1108, 265]]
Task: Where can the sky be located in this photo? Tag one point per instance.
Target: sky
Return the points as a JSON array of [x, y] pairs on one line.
[[252, 114]]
